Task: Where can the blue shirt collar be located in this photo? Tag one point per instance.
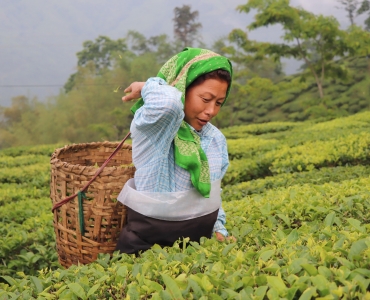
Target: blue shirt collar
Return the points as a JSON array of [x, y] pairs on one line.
[[205, 131]]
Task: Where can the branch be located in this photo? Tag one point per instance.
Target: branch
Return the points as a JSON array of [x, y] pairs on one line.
[[307, 61]]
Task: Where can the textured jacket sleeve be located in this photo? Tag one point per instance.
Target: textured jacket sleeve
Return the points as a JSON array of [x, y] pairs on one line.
[[220, 223]]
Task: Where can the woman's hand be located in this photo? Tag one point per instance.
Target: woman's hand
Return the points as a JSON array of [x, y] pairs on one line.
[[221, 238], [134, 90]]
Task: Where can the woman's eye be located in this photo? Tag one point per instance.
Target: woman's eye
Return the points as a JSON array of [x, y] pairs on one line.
[[219, 103], [206, 100]]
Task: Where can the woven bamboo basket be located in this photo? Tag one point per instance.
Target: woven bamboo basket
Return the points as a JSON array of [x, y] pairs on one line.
[[72, 167]]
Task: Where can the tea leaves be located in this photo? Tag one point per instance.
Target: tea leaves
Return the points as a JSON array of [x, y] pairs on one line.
[[297, 198]]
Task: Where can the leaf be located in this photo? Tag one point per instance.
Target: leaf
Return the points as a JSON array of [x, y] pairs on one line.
[[346, 263], [308, 293], [272, 293], [322, 284], [172, 287], [278, 284], [261, 291], [310, 269], [361, 282], [77, 290], [363, 272], [206, 284], [195, 287], [261, 280], [324, 271], [164, 295], [60, 290], [231, 294], [293, 236], [153, 286], [215, 297], [357, 248], [329, 220], [122, 271], [280, 234], [103, 278], [227, 249], [133, 292], [93, 289], [136, 269], [356, 224], [248, 281], [265, 255], [284, 218], [266, 209], [218, 267], [291, 293], [10, 280], [37, 283]]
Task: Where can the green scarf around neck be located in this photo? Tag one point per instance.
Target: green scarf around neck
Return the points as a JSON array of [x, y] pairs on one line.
[[180, 71]]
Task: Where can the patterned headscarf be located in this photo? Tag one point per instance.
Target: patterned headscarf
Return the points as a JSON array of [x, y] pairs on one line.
[[180, 71]]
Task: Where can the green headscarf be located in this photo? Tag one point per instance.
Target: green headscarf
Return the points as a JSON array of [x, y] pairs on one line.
[[180, 71]]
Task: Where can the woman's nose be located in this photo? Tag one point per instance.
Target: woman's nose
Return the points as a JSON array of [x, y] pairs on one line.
[[210, 109]]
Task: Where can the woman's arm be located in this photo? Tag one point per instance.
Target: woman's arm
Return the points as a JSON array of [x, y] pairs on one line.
[[153, 129], [161, 115], [220, 223]]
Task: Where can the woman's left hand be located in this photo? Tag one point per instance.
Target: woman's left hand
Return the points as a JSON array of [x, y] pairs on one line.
[[221, 238]]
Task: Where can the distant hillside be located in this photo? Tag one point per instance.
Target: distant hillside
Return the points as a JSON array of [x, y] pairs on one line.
[[342, 98]]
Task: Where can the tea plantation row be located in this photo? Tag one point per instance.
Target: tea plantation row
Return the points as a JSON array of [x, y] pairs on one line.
[[297, 198]]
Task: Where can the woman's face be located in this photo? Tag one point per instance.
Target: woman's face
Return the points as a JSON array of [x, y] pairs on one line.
[[203, 102]]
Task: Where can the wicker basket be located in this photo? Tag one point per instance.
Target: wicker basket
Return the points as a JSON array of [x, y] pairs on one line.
[[71, 169]]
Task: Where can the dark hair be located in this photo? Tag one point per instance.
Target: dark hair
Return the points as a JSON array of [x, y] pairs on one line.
[[216, 74]]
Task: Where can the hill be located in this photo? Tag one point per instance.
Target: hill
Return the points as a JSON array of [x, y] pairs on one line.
[[293, 100], [296, 196]]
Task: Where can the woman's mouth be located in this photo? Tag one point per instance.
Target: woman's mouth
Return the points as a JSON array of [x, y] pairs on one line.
[[202, 122]]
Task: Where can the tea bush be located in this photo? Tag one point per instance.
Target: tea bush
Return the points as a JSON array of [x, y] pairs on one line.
[[297, 198]]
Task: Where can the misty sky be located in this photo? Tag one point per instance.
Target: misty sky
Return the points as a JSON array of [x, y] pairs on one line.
[[39, 38]]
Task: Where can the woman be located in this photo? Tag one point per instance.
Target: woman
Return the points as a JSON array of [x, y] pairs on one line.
[[180, 158]]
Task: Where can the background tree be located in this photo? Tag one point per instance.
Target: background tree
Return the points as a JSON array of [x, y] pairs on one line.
[[100, 53], [250, 73], [351, 7], [306, 36], [365, 7], [186, 29]]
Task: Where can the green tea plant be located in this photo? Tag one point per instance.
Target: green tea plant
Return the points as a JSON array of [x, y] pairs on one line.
[[297, 199]]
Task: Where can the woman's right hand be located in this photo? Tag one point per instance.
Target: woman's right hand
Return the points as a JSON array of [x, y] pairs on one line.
[[134, 90]]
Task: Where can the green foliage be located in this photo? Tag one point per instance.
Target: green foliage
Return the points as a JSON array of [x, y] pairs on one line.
[[365, 7], [301, 233], [285, 180], [37, 174], [21, 161], [92, 110], [304, 148], [45, 150], [317, 40], [13, 192], [258, 129]]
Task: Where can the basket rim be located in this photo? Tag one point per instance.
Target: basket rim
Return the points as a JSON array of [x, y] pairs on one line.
[[55, 160]]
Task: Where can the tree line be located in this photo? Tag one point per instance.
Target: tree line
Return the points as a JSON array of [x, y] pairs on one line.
[[89, 107]]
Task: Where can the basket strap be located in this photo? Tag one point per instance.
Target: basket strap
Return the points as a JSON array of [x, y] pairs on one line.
[[80, 196], [60, 203]]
